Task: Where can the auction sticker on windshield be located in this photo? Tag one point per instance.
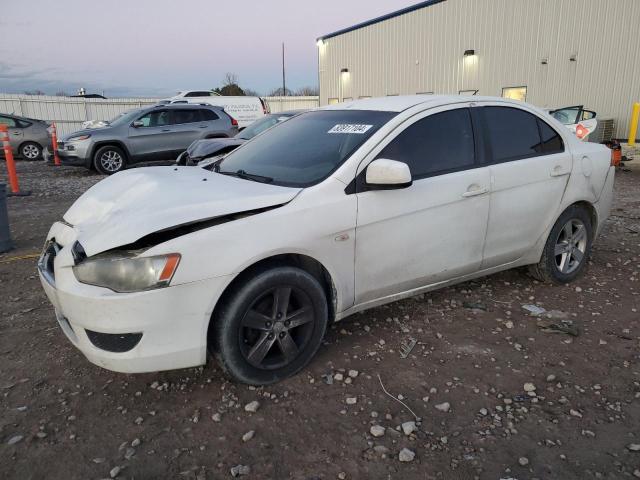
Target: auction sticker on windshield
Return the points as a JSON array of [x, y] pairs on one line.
[[350, 128]]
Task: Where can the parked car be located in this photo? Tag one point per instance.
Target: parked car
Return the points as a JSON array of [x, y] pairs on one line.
[[334, 211], [580, 121], [215, 147], [27, 136], [244, 109], [160, 132]]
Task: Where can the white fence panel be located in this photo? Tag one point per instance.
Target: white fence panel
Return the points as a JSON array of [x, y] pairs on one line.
[[68, 113], [281, 104]]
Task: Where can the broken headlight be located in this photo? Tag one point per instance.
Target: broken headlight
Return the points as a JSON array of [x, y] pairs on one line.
[[124, 273]]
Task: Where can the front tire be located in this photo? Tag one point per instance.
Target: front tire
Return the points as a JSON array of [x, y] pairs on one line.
[[270, 327], [568, 248], [30, 151], [109, 160]]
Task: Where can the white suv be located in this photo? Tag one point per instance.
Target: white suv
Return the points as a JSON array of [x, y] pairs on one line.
[[332, 212]]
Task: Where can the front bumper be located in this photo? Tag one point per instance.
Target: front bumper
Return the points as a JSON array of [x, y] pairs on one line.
[[155, 330], [76, 154]]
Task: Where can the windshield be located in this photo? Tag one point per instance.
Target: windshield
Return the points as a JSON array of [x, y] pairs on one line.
[[305, 149], [125, 117], [260, 126]]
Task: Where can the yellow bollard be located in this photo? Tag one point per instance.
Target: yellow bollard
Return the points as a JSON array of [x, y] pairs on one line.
[[633, 129]]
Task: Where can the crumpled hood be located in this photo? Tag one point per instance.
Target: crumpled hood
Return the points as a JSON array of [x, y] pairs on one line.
[[132, 204], [209, 146]]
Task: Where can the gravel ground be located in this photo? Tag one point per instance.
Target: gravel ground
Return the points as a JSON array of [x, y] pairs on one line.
[[497, 396]]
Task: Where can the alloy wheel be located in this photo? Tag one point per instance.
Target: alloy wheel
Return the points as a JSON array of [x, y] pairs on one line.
[[30, 151], [276, 328], [571, 246], [111, 161]]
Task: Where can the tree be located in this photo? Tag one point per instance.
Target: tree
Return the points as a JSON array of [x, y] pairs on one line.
[[308, 92], [230, 87], [251, 93], [62, 93], [278, 92], [34, 92]]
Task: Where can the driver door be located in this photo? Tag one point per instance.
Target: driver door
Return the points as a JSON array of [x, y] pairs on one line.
[[433, 230]]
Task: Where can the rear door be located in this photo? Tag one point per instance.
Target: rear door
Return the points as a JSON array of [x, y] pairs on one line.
[[188, 125], [15, 132], [530, 167]]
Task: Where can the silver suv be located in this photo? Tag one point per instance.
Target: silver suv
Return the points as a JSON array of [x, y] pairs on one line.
[[161, 132]]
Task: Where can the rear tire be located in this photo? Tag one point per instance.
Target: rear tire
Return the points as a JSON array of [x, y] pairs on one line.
[[270, 326], [568, 248], [30, 151], [109, 160]]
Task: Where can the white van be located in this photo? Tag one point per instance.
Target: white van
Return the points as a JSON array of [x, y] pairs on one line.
[[245, 110]]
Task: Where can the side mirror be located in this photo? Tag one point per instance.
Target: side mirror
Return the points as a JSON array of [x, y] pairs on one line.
[[137, 124], [384, 174]]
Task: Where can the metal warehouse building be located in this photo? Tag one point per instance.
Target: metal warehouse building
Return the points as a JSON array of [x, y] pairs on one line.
[[551, 53]]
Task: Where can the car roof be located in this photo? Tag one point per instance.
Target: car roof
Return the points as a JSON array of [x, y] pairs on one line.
[[398, 103], [288, 113], [188, 106]]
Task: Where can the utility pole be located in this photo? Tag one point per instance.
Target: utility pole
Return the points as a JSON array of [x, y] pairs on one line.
[[284, 84]]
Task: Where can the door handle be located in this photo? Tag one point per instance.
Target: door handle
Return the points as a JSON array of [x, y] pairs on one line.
[[16, 133], [165, 130], [202, 126], [558, 171], [474, 190]]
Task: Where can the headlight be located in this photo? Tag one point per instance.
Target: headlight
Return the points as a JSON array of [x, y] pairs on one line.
[[124, 273], [79, 138]]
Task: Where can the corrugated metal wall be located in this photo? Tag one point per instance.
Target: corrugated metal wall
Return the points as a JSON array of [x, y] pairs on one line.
[[422, 52], [68, 112]]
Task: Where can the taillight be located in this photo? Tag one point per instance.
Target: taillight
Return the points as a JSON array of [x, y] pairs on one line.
[[234, 122]]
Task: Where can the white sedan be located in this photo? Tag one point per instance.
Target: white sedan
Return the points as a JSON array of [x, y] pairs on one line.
[[332, 212]]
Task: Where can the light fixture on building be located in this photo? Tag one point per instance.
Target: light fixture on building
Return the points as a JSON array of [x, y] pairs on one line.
[[544, 61], [320, 42], [573, 58], [344, 71], [469, 53]]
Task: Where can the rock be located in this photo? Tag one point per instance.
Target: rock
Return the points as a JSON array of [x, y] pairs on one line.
[[248, 436], [484, 412], [508, 324], [136, 442], [636, 473], [240, 470], [99, 460], [342, 475], [523, 461], [216, 417], [139, 420], [15, 439], [114, 472], [575, 413], [409, 427], [443, 407], [338, 377], [377, 430], [634, 447], [529, 387], [551, 378], [353, 373], [128, 455], [352, 400], [406, 455], [381, 449], [252, 407]]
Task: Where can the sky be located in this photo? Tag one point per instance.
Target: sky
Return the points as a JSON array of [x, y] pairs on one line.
[[157, 47]]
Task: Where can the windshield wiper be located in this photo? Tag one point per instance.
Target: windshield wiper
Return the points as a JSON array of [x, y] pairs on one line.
[[246, 176]]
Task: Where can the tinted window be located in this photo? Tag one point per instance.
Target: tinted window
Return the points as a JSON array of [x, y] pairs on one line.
[[208, 115], [9, 122], [513, 133], [305, 149], [185, 116], [551, 141], [198, 94], [437, 143], [23, 123], [155, 118]]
